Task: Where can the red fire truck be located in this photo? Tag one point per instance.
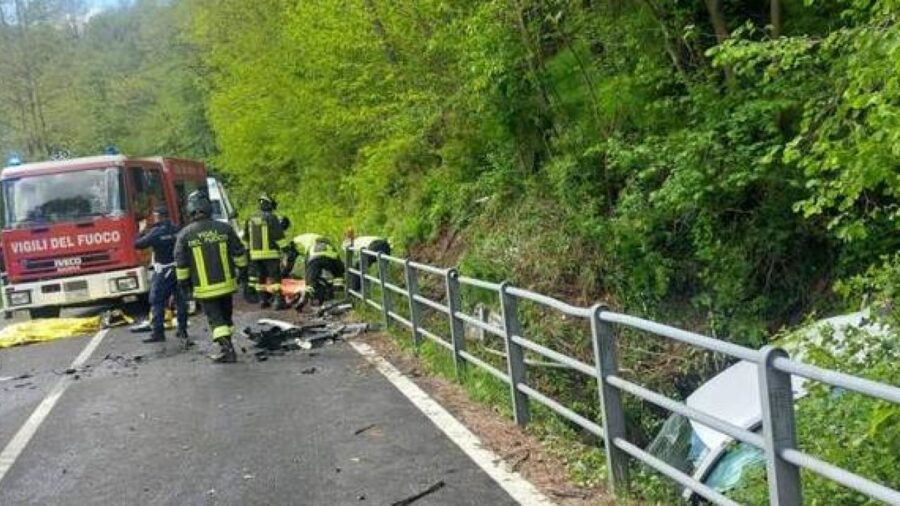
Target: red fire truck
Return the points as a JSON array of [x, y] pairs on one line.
[[69, 227]]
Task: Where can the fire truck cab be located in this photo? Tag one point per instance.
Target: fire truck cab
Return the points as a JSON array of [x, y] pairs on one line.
[[69, 227]]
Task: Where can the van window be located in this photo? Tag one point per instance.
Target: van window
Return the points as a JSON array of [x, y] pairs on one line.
[[731, 468], [678, 445]]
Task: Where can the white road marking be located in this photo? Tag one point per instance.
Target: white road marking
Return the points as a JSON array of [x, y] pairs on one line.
[[513, 483], [17, 444]]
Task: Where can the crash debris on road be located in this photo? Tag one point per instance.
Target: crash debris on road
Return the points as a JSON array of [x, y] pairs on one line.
[[273, 337]]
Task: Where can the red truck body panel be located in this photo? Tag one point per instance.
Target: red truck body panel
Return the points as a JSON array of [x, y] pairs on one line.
[[92, 244], [69, 248]]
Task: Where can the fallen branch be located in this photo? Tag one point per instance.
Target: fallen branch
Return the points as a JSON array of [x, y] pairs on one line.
[[411, 499], [570, 493], [514, 466], [364, 429]]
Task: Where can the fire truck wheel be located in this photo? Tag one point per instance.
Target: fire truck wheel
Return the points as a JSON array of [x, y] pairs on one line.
[[45, 312]]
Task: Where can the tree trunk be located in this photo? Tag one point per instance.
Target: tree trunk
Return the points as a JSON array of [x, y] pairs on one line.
[[717, 18], [720, 26], [36, 140], [776, 15]]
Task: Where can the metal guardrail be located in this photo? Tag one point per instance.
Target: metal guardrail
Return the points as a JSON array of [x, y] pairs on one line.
[[777, 440]]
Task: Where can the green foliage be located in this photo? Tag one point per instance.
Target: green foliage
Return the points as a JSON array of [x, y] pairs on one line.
[[76, 84], [849, 430]]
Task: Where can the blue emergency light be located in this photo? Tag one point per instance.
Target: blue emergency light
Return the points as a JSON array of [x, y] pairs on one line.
[[13, 160], [111, 149]]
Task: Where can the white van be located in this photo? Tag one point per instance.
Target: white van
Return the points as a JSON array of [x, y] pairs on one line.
[[222, 209], [717, 460]]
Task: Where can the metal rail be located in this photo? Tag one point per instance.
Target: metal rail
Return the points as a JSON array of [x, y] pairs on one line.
[[487, 285], [432, 304], [478, 324], [555, 355], [563, 411], [777, 438], [497, 373], [683, 409]]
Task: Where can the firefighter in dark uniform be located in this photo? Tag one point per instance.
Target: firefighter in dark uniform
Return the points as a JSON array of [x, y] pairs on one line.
[[322, 267], [265, 239], [207, 255], [163, 285], [372, 243]]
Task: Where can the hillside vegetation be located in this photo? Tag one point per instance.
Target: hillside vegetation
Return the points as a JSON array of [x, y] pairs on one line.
[[727, 166], [729, 161]]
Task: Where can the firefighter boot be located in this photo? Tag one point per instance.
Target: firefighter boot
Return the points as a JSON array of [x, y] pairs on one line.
[[157, 336], [250, 294], [301, 302], [226, 353], [278, 303], [185, 339]]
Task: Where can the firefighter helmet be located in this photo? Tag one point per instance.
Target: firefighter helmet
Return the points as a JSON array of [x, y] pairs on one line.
[[198, 203], [267, 202]]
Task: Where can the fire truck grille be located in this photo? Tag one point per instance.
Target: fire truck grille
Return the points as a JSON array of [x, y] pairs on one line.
[[87, 260]]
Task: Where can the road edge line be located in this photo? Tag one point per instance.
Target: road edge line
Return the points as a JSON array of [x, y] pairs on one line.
[[520, 489], [23, 436]]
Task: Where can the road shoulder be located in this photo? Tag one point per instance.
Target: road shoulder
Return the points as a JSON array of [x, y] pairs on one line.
[[522, 452]]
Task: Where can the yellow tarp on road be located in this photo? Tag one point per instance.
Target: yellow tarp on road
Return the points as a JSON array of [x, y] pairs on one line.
[[38, 331]]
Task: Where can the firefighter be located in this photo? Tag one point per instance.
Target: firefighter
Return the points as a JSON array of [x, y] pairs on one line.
[[207, 254], [372, 243], [266, 241], [322, 267], [163, 285]]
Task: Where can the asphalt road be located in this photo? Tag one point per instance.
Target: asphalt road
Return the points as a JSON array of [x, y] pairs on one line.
[[152, 424]]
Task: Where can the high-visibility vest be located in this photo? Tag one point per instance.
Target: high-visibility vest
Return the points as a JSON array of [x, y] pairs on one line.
[[207, 253], [312, 246], [264, 236]]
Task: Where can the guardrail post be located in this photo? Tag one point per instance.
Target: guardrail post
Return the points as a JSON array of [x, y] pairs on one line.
[[606, 361], [779, 432], [412, 289], [385, 296], [515, 361], [348, 261], [457, 332], [363, 268]]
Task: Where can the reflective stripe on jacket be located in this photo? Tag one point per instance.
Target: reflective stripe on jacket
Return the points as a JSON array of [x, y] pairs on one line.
[[365, 241], [265, 238], [314, 245], [206, 253]]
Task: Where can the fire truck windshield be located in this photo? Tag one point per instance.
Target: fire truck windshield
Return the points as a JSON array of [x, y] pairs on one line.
[[53, 198]]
